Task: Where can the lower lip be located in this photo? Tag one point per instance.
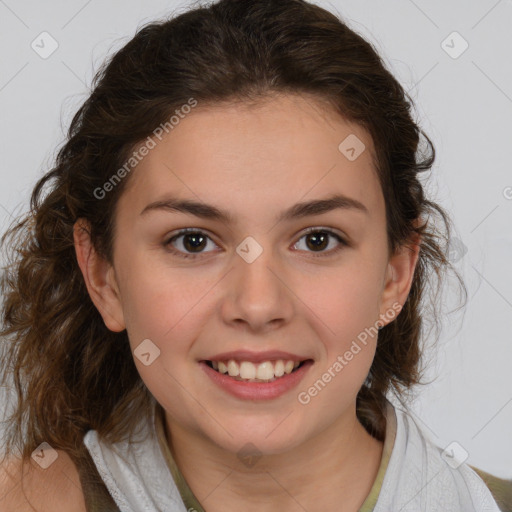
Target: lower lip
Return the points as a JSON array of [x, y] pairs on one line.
[[257, 390]]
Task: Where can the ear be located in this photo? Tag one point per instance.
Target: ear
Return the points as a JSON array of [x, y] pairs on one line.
[[399, 277], [99, 278]]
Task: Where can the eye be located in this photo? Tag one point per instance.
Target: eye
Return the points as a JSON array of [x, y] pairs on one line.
[[318, 239], [190, 243]]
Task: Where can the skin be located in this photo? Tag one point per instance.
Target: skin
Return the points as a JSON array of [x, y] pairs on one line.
[[27, 487], [294, 298]]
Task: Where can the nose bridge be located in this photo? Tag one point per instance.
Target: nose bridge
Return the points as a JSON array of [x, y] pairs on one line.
[[258, 296]]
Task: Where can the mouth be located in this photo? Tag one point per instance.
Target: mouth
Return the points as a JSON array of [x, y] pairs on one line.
[[263, 372]]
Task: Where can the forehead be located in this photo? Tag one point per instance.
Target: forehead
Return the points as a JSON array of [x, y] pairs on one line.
[[283, 149]]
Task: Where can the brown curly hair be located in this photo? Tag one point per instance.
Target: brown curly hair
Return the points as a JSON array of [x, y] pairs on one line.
[[57, 349]]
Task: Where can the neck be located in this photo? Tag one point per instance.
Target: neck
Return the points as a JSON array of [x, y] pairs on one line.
[[334, 470]]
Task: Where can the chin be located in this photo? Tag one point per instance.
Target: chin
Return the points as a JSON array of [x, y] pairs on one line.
[[262, 438]]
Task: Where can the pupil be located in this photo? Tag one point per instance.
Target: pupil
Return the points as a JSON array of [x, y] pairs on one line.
[[197, 242], [318, 240]]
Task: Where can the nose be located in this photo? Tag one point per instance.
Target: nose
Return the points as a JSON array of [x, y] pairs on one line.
[[257, 297]]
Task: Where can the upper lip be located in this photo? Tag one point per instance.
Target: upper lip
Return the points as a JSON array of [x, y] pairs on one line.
[[257, 357]]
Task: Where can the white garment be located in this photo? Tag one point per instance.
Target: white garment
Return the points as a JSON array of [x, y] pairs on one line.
[[417, 478], [136, 475]]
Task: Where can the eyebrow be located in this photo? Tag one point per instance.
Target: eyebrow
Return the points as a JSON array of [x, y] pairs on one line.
[[297, 211]]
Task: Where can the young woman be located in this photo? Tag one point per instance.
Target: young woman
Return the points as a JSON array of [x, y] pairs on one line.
[[218, 285]]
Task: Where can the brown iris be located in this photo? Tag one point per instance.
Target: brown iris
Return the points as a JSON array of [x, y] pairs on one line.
[[319, 240], [194, 242]]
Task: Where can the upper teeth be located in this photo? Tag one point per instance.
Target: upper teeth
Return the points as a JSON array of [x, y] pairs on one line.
[[263, 371]]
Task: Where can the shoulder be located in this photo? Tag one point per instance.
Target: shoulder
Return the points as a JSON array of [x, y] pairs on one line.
[[27, 486], [500, 488]]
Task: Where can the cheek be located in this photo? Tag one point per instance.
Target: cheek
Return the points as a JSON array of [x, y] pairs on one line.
[[155, 297], [349, 342], [335, 386], [346, 306], [345, 300], [162, 306]]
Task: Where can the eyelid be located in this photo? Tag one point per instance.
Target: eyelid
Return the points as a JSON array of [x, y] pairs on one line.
[[333, 231]]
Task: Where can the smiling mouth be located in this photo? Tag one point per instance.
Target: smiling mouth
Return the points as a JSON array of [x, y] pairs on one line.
[[246, 371]]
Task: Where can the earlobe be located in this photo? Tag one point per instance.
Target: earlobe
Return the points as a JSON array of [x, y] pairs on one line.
[[99, 277]]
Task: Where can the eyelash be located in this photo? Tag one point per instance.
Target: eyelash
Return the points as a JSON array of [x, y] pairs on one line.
[[321, 254]]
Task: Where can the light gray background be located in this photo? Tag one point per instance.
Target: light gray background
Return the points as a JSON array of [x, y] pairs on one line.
[[464, 104]]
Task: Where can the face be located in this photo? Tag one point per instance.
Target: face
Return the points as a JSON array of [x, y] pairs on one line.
[[268, 280]]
